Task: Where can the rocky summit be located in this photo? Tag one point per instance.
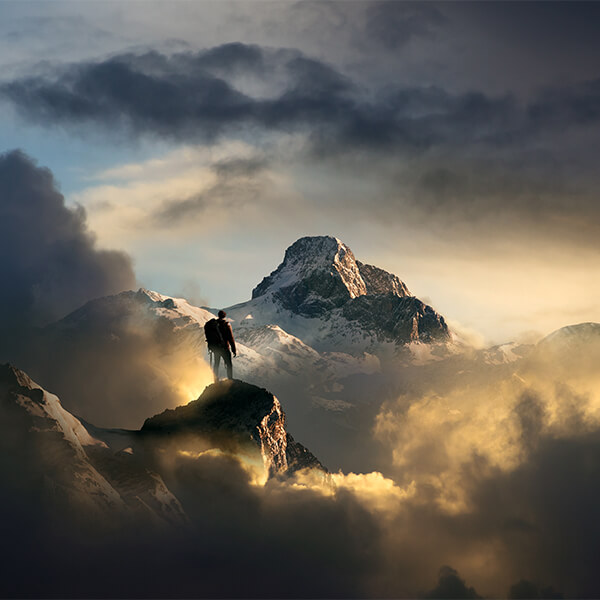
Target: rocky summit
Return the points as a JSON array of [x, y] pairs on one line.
[[235, 411], [321, 273], [323, 295]]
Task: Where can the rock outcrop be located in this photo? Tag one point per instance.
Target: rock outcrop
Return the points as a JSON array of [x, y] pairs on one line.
[[52, 461], [233, 411]]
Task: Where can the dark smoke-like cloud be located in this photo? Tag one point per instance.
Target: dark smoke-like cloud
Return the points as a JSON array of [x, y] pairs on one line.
[[112, 361], [195, 96], [50, 264], [393, 24]]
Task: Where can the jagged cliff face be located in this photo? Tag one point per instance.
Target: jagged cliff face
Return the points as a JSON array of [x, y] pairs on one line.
[[405, 319], [233, 415], [331, 301]]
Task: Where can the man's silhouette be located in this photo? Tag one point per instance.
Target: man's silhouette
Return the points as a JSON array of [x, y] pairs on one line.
[[219, 338]]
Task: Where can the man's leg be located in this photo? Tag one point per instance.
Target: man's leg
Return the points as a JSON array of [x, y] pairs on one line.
[[216, 362], [227, 361]]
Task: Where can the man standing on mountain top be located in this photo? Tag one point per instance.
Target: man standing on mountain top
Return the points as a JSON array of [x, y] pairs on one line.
[[219, 338]]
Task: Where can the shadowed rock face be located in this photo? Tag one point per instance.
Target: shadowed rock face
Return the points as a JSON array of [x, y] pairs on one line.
[[237, 411], [378, 281], [406, 318]]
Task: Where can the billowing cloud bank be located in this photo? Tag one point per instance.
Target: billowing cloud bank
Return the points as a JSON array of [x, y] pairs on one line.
[[196, 95], [50, 264]]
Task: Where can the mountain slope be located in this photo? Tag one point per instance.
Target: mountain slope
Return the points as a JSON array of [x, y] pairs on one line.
[[48, 452], [321, 331], [571, 352], [119, 358]]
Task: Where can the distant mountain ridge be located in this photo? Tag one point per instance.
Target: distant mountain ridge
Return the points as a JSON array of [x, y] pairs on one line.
[[321, 317]]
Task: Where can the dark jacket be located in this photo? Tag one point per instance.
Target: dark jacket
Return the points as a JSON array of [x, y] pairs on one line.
[[227, 334]]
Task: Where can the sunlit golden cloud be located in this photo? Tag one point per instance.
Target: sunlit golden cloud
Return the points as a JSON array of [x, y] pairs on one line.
[[485, 421]]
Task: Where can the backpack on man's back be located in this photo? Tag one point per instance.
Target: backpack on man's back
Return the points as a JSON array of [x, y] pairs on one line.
[[213, 334]]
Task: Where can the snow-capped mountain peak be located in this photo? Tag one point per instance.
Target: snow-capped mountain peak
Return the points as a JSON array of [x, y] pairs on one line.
[[323, 295], [45, 407], [319, 273]]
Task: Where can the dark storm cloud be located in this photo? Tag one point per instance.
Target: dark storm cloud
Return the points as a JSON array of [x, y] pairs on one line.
[[394, 24], [556, 29], [194, 96], [575, 105], [447, 156], [109, 360], [50, 264], [544, 515], [222, 61], [231, 57]]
